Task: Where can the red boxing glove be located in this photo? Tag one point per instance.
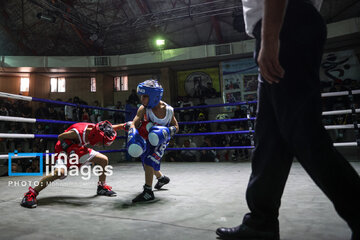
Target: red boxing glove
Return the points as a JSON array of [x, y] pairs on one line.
[[143, 129]]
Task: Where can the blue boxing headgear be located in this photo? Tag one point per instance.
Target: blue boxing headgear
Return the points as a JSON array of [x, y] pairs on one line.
[[153, 89]]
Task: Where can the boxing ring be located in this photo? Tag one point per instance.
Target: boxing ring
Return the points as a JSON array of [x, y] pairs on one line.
[[200, 197]]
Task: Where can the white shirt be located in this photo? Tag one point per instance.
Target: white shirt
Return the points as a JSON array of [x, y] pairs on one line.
[[254, 11], [160, 121]]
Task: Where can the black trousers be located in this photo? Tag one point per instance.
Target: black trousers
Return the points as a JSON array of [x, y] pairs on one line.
[[289, 124]]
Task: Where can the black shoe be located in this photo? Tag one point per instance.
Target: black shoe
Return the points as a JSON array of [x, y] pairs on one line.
[[146, 196], [246, 233], [105, 190], [29, 199], [161, 182]]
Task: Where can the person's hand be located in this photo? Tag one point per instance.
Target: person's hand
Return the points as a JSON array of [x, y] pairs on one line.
[[268, 61]]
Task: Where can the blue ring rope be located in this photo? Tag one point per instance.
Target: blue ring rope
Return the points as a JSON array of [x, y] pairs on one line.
[[54, 121], [180, 123], [216, 105], [213, 133], [219, 120], [56, 136], [75, 105], [179, 149], [176, 135]]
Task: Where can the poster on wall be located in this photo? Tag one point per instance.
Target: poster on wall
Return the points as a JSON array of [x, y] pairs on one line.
[[239, 80], [199, 83], [340, 66]]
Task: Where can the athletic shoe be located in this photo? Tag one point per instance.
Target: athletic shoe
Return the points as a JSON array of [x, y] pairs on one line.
[[244, 232], [161, 182], [29, 200], [105, 190], [146, 196]]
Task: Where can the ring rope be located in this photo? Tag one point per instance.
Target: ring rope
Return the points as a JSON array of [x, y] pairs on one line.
[[27, 98], [343, 144], [342, 93], [20, 135], [33, 120]]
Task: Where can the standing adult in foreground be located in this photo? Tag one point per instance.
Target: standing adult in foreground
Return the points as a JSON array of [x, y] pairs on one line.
[[290, 36]]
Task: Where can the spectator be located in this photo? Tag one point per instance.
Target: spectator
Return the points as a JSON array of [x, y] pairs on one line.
[[133, 98], [25, 109], [188, 114], [240, 112], [85, 116], [27, 129], [41, 143], [96, 114], [69, 111], [205, 111], [12, 143], [189, 155], [58, 107], [52, 113], [171, 156], [131, 111], [34, 167], [15, 167], [77, 111], [222, 140], [119, 116], [208, 155], [42, 112], [210, 91], [202, 127], [4, 111], [240, 140]]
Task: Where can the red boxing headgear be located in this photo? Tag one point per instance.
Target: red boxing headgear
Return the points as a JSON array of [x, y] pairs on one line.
[[102, 132]]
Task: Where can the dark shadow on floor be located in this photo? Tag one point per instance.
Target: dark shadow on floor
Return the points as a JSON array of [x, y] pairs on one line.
[[130, 204], [66, 200]]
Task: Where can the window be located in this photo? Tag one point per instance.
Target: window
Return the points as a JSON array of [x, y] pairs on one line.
[[24, 84], [53, 84], [92, 84], [61, 84], [121, 83], [57, 84]]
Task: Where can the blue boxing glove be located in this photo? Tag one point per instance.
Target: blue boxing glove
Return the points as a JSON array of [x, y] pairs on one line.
[[160, 134], [136, 144]]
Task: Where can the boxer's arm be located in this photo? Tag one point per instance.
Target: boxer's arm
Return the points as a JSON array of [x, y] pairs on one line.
[[174, 123], [139, 116], [71, 135], [118, 127]]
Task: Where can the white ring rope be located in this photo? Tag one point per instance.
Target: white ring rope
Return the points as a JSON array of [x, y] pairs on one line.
[[346, 144], [17, 119], [6, 156], [15, 96], [342, 93], [346, 126], [339, 112], [16, 135]]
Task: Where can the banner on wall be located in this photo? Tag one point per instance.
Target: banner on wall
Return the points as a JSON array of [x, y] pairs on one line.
[[239, 80], [340, 66], [196, 83]]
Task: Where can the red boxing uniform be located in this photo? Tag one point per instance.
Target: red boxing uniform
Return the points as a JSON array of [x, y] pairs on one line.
[[85, 154]]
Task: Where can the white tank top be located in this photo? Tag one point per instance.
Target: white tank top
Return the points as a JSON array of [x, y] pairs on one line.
[[160, 121]]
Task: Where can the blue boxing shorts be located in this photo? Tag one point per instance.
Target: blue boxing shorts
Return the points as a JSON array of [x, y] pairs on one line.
[[152, 156]]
